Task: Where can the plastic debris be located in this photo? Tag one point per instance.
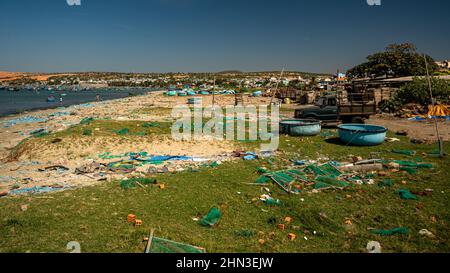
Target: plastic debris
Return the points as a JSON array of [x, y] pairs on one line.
[[27, 119], [150, 124], [250, 156], [406, 194], [160, 245], [269, 200], [405, 152], [35, 190], [131, 183], [122, 166], [390, 232], [427, 233], [373, 247], [86, 121], [386, 183], [87, 132], [123, 131], [212, 218]]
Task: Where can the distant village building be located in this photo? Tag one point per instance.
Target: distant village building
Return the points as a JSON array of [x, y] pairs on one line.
[[444, 64]]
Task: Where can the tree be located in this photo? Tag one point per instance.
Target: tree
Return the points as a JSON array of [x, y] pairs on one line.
[[418, 92], [398, 60]]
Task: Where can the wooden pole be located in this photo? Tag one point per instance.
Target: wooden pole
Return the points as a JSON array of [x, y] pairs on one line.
[[276, 87], [440, 141], [214, 91], [149, 242]]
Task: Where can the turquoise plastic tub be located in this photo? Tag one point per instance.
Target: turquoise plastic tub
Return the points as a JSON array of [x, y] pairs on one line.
[[362, 134], [300, 127]]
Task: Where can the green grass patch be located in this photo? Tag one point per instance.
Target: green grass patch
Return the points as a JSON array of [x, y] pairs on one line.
[[96, 216]]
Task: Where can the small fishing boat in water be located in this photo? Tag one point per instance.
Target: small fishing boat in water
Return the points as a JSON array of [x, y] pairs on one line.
[[51, 98]]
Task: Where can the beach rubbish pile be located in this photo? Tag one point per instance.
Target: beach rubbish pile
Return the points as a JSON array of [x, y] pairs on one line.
[[337, 175]]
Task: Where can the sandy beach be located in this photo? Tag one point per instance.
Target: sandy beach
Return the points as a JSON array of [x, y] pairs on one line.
[[72, 152]]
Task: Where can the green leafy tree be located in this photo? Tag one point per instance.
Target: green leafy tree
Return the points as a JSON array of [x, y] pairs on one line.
[[418, 91], [398, 60]]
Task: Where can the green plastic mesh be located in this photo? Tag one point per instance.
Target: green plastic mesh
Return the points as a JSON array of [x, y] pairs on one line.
[[123, 131], [406, 194], [325, 169], [211, 218], [160, 245], [86, 121], [330, 181], [389, 232]]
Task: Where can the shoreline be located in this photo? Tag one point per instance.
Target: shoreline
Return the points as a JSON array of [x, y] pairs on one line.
[[36, 110]]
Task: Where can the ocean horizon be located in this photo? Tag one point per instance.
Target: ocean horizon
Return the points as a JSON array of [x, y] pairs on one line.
[[16, 102]]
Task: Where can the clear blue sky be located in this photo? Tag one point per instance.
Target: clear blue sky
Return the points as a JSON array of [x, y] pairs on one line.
[[213, 35]]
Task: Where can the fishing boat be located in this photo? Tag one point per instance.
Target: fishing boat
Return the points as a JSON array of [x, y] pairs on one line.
[[51, 98]]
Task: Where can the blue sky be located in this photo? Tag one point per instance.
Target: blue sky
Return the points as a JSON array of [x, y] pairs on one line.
[[213, 35]]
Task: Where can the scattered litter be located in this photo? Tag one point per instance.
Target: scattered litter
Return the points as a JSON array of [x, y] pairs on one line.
[[58, 168], [90, 168], [87, 132], [427, 233], [405, 152], [123, 131], [392, 139], [250, 156], [86, 121], [389, 232], [373, 247], [150, 124], [27, 119], [406, 194], [131, 218], [292, 236], [212, 218], [386, 183], [160, 245], [131, 183], [122, 166], [36, 190], [269, 200]]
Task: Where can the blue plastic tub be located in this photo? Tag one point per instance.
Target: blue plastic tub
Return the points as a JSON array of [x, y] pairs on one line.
[[362, 134], [300, 127]]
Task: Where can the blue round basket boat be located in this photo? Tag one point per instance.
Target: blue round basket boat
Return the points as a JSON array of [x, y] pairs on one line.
[[300, 127], [362, 134]]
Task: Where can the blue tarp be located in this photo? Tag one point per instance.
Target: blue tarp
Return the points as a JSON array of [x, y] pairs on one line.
[[34, 190], [27, 119], [165, 158]]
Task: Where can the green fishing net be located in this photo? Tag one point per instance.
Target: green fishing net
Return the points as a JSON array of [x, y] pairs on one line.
[[211, 218]]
